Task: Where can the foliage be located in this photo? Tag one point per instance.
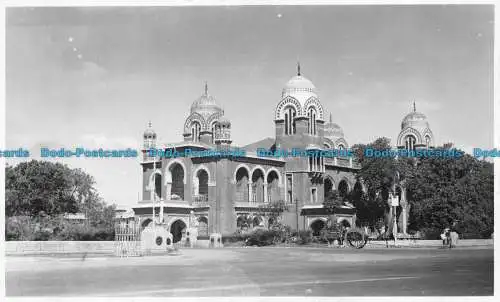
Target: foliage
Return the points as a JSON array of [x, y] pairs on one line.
[[39, 193], [442, 192], [303, 237], [332, 201], [261, 237], [453, 193]]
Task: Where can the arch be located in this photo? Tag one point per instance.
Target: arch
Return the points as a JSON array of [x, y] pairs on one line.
[[344, 187], [258, 221], [277, 174], [328, 185], [287, 101], [241, 222], [177, 228], [195, 116], [313, 102], [176, 178], [203, 226], [317, 225], [407, 131], [168, 174], [239, 167], [410, 141], [146, 223], [341, 142], [258, 167], [428, 133], [258, 182], [214, 118], [202, 167], [345, 223], [326, 146], [201, 182]]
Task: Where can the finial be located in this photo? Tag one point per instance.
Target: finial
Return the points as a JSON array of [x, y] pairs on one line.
[[150, 125], [206, 88], [414, 107], [331, 119], [298, 68]]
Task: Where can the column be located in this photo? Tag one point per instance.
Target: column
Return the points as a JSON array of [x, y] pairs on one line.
[[169, 191], [265, 192], [250, 193]]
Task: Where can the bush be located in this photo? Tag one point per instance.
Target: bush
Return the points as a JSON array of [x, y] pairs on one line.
[[261, 237], [304, 237]]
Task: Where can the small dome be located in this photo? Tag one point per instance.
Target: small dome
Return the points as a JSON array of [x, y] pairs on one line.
[[224, 121], [149, 132], [333, 130]]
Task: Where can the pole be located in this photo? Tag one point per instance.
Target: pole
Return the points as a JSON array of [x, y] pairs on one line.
[[154, 190]]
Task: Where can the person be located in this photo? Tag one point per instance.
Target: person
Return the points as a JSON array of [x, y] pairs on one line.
[[453, 238], [443, 237]]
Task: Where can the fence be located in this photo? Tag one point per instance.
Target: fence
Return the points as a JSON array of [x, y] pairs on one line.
[[128, 240]]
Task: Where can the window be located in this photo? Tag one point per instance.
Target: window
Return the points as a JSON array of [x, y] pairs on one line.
[[314, 194], [195, 131], [311, 127], [289, 187], [290, 120], [410, 143]]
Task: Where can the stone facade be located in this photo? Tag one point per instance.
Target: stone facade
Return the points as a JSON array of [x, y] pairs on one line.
[[224, 194]]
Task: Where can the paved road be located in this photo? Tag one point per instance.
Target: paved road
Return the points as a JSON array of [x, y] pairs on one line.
[[259, 272]]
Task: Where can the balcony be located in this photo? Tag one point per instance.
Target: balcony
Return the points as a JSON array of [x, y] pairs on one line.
[[346, 162], [200, 200]]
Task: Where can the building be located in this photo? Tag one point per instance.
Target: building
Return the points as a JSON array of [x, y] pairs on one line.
[[223, 194]]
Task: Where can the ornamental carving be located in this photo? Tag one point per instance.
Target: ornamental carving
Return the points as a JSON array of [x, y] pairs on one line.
[[194, 117], [313, 102], [285, 102]]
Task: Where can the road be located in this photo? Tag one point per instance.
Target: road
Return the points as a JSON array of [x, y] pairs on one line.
[[258, 272]]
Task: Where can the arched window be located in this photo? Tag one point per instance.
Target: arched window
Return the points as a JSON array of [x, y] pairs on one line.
[[195, 131], [311, 127], [213, 132], [290, 114], [410, 142], [341, 147], [427, 141]]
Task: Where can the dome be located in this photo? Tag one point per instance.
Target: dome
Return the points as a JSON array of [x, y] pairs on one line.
[[333, 130], [149, 132], [205, 104], [415, 120], [298, 84], [224, 121]]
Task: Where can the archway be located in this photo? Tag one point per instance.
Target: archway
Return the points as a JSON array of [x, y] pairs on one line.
[[177, 191], [272, 186], [343, 188], [258, 221], [316, 226], [158, 181], [203, 226], [177, 229], [258, 185], [242, 184], [202, 177], [146, 223], [328, 187], [345, 223]]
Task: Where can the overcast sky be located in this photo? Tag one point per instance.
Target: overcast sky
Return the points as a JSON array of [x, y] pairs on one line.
[[94, 77]]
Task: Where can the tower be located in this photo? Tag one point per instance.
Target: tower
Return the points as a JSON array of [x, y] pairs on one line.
[[149, 137], [415, 131]]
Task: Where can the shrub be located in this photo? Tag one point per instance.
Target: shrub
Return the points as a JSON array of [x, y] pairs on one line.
[[261, 237], [304, 237]]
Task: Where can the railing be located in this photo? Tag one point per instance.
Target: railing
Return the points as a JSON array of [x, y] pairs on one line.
[[200, 200], [343, 162]]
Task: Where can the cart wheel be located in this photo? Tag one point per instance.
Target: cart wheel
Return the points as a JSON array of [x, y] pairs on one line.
[[356, 238]]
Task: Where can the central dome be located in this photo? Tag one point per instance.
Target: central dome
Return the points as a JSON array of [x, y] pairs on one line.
[[205, 104], [415, 120], [298, 84]]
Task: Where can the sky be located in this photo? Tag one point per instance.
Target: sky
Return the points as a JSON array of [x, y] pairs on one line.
[[94, 77]]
